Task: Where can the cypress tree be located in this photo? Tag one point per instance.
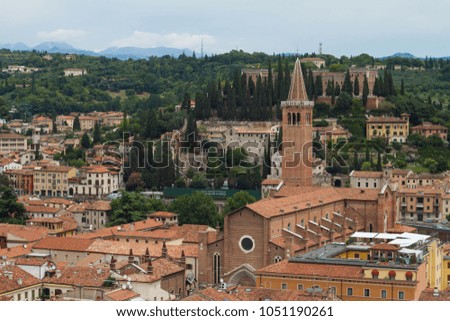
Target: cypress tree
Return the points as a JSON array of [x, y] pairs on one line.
[[379, 162], [355, 160], [365, 92], [85, 141], [76, 123], [186, 102], [318, 87], [356, 87], [279, 85], [347, 86], [310, 85], [402, 89], [287, 80], [337, 90], [96, 135], [376, 86]]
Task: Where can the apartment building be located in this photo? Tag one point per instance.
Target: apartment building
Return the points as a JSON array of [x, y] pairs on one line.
[[419, 204], [394, 129], [51, 180], [11, 142]]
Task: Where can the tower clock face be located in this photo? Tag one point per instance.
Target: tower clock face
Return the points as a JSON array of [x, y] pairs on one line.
[[247, 243]]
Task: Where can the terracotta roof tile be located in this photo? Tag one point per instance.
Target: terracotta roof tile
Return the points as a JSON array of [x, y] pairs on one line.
[[30, 261], [312, 269], [384, 247], [7, 285], [63, 244], [26, 233], [123, 248], [122, 295], [79, 276], [366, 174], [162, 214], [41, 209], [99, 206], [16, 251]]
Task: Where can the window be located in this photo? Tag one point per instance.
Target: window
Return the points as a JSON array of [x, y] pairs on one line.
[[277, 259], [246, 243], [401, 295], [283, 286], [349, 291], [383, 294], [366, 292], [299, 286]]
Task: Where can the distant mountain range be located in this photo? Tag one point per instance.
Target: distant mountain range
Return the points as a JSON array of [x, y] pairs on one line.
[[113, 52]]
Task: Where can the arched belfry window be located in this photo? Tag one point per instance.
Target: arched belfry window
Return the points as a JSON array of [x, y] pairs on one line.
[[289, 118], [298, 118], [294, 119]]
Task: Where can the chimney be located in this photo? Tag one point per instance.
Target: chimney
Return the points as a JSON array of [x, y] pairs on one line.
[[112, 264], [58, 274], [19, 281], [131, 227], [149, 267], [289, 247], [164, 250], [183, 259], [146, 256], [131, 257], [99, 271]]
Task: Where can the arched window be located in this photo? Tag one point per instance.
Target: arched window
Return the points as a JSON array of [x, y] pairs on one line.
[[294, 119], [327, 216], [298, 118], [289, 226], [289, 118], [277, 259]]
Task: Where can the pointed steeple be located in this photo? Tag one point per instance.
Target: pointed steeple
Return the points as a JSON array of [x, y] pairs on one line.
[[297, 92]]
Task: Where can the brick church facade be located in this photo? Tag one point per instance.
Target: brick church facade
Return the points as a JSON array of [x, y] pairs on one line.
[[297, 218]]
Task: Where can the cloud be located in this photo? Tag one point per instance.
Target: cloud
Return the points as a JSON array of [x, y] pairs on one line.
[[61, 35], [175, 40]]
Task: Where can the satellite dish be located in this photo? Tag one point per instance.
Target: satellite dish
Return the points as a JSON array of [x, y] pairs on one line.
[[125, 276], [124, 287], [129, 279], [130, 286], [221, 280]]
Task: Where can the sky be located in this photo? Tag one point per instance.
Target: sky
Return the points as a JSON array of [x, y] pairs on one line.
[[346, 27]]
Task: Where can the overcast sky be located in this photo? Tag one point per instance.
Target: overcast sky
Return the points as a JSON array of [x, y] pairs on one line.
[[346, 27]]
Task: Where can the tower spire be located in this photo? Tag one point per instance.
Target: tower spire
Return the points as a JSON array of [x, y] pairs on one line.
[[297, 91]]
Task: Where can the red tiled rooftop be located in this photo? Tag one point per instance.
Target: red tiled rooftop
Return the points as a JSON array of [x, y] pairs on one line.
[[121, 295], [312, 269], [63, 244]]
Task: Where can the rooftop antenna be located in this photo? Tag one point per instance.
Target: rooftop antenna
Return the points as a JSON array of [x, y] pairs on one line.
[[320, 48], [201, 52]]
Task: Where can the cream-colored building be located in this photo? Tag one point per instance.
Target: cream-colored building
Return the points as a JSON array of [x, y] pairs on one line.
[[318, 62], [366, 179], [419, 204], [74, 72], [96, 181], [395, 129], [52, 180], [87, 122], [11, 142]]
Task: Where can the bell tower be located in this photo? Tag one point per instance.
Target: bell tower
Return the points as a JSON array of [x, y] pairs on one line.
[[297, 123]]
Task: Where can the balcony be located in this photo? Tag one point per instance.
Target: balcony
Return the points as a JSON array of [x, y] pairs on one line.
[[419, 205]]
